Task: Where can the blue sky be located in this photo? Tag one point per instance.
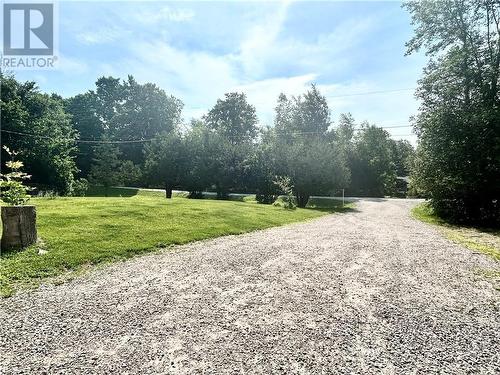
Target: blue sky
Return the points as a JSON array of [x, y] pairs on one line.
[[197, 51]]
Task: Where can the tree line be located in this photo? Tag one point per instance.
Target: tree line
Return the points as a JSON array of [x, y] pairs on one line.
[[127, 133]]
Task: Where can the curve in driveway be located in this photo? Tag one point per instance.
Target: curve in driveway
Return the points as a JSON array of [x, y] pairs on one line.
[[370, 291]]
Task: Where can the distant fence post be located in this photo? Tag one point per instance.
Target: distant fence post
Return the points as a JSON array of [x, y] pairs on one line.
[[342, 197]]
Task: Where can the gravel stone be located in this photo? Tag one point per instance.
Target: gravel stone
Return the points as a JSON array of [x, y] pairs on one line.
[[371, 291]]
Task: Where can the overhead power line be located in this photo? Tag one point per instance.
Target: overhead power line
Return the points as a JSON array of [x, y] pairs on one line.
[[369, 93], [124, 141], [395, 127], [332, 96], [91, 141]]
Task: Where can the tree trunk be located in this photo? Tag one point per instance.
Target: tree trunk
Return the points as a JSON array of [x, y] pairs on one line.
[[19, 227], [302, 200], [168, 190]]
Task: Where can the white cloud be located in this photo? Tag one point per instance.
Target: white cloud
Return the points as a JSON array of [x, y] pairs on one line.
[[265, 48], [197, 76], [267, 53], [261, 40], [148, 16], [264, 94], [68, 65], [101, 35]]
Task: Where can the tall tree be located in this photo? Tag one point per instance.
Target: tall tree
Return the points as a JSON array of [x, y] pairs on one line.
[[165, 161], [303, 117], [144, 112], [458, 157], [264, 166], [122, 110], [37, 126], [106, 165], [312, 160], [234, 122], [86, 120], [403, 154], [344, 134], [373, 169], [202, 148], [233, 118]]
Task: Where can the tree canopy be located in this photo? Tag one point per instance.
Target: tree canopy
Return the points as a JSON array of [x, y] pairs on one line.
[[37, 126], [457, 164]]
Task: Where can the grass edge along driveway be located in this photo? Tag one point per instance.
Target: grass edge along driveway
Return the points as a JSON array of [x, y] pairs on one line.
[[77, 232], [483, 240], [486, 241]]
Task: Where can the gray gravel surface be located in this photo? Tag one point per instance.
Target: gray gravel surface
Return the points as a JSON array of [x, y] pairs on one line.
[[372, 291]]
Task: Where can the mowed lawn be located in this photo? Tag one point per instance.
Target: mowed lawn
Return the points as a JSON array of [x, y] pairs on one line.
[[76, 232]]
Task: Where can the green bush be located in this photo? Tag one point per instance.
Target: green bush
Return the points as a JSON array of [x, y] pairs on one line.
[[195, 195], [13, 191], [266, 198], [285, 185], [80, 187]]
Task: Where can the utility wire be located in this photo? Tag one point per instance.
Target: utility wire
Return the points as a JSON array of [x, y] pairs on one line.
[[92, 141], [369, 93], [329, 96]]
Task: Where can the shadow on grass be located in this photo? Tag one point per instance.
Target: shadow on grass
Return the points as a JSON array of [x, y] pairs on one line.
[[100, 191], [425, 213], [322, 204], [9, 253], [329, 205], [485, 240], [331, 210]]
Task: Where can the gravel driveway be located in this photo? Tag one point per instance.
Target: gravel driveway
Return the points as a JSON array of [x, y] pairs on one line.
[[372, 291]]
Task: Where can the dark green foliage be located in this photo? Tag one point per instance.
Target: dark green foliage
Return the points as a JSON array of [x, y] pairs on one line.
[[48, 151], [145, 112], [122, 110], [105, 169], [403, 154], [263, 168], [233, 118], [195, 195], [234, 123], [457, 164], [376, 162], [372, 163], [314, 168], [306, 153], [84, 111], [201, 146], [131, 174], [165, 161]]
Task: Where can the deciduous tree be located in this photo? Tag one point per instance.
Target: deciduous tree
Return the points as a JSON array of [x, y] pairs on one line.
[[458, 158]]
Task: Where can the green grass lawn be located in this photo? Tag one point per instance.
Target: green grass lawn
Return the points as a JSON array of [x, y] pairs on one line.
[[484, 240], [77, 232]]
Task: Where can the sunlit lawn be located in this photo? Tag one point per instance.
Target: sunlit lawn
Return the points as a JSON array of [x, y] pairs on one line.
[[82, 231]]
